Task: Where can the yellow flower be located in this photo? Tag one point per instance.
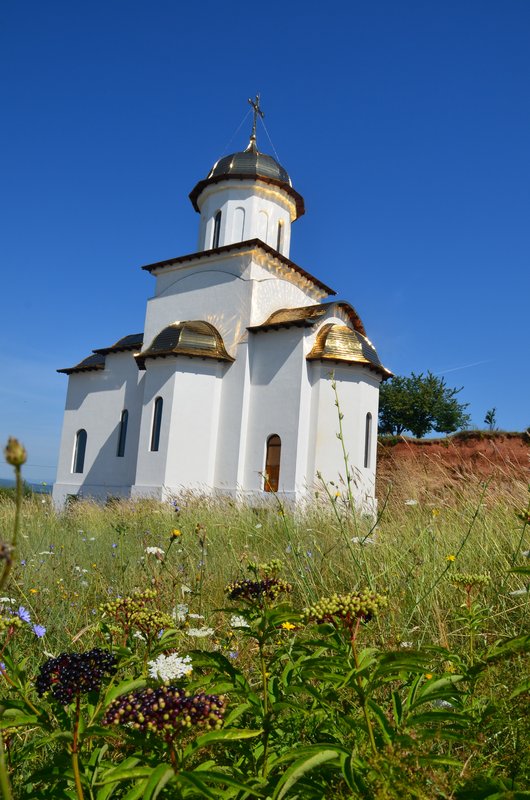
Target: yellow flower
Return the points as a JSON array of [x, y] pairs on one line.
[[435, 512], [34, 591], [428, 675], [337, 494], [95, 566], [450, 557], [288, 626], [175, 533]]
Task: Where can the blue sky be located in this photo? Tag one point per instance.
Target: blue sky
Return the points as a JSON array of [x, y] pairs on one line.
[[405, 126]]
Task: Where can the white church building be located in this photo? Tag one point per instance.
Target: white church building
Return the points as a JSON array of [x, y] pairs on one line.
[[228, 389]]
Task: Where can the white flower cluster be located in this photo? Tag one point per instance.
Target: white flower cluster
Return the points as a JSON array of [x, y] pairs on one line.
[[154, 551], [168, 668], [180, 612], [200, 633], [238, 622]]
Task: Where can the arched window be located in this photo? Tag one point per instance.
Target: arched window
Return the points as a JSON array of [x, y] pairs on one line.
[[157, 422], [272, 464], [216, 229], [279, 237], [80, 450], [123, 433], [367, 440]]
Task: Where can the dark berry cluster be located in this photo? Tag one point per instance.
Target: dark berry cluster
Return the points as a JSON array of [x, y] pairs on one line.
[[166, 710], [268, 588], [72, 674]]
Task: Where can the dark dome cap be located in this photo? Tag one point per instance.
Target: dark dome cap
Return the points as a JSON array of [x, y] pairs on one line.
[[249, 164]]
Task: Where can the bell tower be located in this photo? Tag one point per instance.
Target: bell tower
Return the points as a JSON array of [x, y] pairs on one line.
[[247, 195]]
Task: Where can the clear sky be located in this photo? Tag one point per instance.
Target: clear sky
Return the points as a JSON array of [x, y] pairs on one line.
[[405, 126]]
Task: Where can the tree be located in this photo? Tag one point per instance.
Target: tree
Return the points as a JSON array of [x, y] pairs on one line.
[[420, 404], [491, 419]]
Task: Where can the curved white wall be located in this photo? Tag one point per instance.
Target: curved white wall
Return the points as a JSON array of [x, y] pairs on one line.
[[249, 210]]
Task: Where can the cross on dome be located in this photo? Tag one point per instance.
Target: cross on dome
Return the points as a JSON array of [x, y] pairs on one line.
[[257, 112]]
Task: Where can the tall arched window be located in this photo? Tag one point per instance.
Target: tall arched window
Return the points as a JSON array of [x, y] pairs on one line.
[[367, 440], [279, 237], [79, 451], [157, 422], [216, 229], [272, 464], [123, 433]]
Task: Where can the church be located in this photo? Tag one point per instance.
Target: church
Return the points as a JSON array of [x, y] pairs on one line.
[[229, 388]]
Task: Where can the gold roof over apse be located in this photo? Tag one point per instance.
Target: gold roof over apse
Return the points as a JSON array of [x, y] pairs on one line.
[[194, 338], [340, 343]]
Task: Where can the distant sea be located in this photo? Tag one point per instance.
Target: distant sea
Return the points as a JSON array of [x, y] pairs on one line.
[[38, 488]]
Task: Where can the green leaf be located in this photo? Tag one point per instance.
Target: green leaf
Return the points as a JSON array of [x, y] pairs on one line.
[[160, 776], [521, 688], [123, 688], [192, 779], [382, 721], [16, 720], [221, 777], [299, 769]]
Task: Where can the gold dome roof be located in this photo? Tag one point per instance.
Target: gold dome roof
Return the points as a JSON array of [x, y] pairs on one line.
[[194, 338], [341, 343]]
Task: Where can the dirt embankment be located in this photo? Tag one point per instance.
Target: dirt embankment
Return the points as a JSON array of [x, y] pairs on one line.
[[479, 454]]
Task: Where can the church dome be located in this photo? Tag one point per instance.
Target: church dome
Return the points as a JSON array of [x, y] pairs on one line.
[[249, 164]]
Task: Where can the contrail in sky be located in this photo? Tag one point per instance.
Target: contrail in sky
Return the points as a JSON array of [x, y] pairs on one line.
[[465, 366]]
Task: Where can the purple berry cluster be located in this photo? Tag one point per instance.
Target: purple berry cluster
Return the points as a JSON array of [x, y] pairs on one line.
[[166, 711], [72, 674], [267, 588]]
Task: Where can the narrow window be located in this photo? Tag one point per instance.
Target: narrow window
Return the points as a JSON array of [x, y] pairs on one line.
[[367, 440], [123, 433], [80, 450], [157, 422], [272, 464], [279, 238], [216, 229]]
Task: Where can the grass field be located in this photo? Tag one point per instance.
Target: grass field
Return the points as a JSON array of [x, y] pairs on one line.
[[68, 565]]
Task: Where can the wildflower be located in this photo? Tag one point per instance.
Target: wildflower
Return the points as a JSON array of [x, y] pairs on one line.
[[288, 626], [195, 616], [39, 631], [363, 540], [428, 675], [169, 668], [467, 580], [435, 512], [519, 592], [411, 502], [34, 591], [180, 612], [233, 654], [406, 645], [72, 674], [268, 588], [200, 633], [236, 621], [139, 635], [450, 557], [166, 710], [361, 605], [154, 551], [176, 533], [23, 614], [15, 453]]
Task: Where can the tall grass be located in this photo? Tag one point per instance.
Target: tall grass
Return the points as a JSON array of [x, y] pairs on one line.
[[69, 563]]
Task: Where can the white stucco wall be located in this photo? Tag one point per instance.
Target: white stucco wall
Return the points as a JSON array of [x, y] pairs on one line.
[[249, 210], [358, 392], [94, 402], [190, 390]]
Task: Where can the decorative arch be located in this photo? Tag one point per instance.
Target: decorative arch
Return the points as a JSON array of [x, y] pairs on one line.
[[79, 451], [271, 479]]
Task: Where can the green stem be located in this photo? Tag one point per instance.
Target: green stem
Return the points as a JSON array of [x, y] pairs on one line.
[[5, 786], [75, 757], [266, 708], [364, 699]]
